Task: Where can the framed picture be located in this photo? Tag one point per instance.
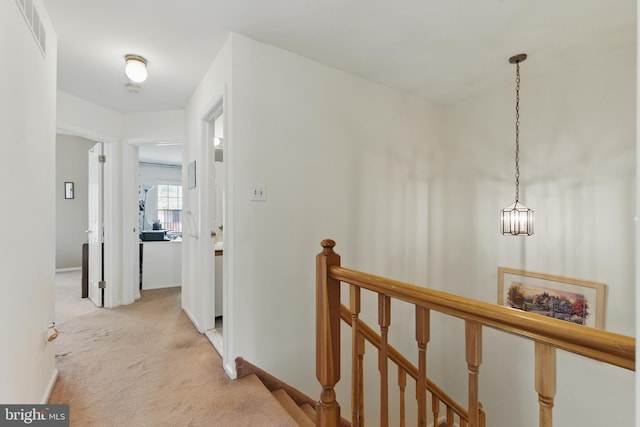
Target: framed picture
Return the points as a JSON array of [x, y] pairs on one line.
[[68, 190], [571, 300]]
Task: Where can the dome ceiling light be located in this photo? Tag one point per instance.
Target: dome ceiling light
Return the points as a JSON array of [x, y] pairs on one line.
[[135, 68]]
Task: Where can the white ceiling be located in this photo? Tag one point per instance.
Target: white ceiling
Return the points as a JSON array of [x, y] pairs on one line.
[[442, 50]]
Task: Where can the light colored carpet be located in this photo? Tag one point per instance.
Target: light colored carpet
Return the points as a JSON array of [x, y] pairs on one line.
[[145, 365], [68, 294]]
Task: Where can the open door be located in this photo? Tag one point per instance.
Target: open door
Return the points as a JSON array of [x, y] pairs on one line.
[[213, 249], [217, 211], [96, 230]]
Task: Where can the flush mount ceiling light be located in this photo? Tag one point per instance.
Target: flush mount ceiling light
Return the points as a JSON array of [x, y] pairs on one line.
[[517, 219], [135, 68]]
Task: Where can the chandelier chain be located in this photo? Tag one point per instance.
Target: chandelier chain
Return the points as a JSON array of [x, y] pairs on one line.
[[517, 131]]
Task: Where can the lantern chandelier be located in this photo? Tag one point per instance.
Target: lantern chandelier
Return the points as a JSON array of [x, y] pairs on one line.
[[517, 219]]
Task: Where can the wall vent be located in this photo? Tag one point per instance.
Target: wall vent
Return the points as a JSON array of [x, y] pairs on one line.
[[31, 16]]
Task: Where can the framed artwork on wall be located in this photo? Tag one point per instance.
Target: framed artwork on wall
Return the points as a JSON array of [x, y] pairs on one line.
[[68, 190], [571, 300]]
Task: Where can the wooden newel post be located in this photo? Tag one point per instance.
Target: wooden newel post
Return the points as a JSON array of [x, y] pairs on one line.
[[327, 335]]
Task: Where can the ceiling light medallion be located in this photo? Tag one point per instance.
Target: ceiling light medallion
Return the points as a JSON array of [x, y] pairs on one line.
[[133, 88], [135, 68], [516, 219]]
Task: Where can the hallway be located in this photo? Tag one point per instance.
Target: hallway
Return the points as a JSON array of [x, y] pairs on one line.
[[145, 365]]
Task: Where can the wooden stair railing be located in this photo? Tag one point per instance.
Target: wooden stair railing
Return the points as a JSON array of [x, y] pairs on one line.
[[405, 367], [548, 335]]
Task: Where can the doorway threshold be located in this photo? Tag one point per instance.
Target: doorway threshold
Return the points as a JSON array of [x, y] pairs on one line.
[[214, 336]]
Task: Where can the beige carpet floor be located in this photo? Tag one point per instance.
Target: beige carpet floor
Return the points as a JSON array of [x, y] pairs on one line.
[[68, 294], [145, 365]]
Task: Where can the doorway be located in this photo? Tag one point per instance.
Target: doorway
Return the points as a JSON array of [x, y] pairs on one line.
[[112, 254], [159, 215], [72, 225], [214, 290]]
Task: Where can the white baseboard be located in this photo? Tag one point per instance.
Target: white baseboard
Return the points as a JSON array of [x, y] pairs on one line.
[[230, 369], [193, 320], [49, 389], [67, 270]]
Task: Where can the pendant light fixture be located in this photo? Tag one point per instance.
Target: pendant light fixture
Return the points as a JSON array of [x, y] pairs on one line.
[[516, 219]]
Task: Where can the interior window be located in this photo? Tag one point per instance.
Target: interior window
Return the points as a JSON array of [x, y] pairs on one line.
[[170, 207]]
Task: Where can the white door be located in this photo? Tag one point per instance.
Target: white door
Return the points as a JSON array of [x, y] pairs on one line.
[[95, 231], [217, 210]]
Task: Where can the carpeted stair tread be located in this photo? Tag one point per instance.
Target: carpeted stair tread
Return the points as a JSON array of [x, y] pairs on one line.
[[273, 413], [309, 410], [294, 410]]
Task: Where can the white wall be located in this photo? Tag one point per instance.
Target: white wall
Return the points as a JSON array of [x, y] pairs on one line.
[[577, 134], [79, 117], [156, 126], [71, 214], [341, 158], [27, 247]]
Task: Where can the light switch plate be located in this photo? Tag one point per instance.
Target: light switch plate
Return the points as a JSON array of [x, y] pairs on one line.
[[258, 193]]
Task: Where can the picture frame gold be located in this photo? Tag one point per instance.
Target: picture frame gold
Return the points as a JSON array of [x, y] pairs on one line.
[[572, 300]]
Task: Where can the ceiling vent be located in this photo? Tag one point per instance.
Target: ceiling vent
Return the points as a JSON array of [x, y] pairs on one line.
[[32, 18]]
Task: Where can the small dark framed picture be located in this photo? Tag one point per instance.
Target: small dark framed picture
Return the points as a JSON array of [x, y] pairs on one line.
[[68, 190]]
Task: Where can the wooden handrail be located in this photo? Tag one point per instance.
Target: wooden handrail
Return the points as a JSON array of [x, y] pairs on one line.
[[597, 344], [396, 357], [548, 335]]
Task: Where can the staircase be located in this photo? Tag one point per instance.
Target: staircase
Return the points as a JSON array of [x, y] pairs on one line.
[[548, 335], [296, 409], [283, 410], [303, 414]]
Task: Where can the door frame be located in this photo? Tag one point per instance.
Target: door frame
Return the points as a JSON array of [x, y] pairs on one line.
[[111, 211], [95, 227], [208, 200], [131, 244], [206, 248]]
